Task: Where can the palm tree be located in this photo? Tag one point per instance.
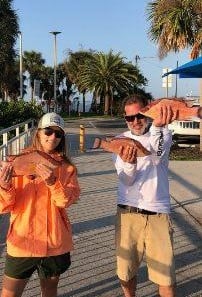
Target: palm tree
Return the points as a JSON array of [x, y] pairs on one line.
[[8, 31], [175, 25], [105, 74], [46, 83], [12, 84], [73, 67], [66, 88], [34, 64]]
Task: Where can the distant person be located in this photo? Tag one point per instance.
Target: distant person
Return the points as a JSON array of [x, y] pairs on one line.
[[39, 238], [143, 222]]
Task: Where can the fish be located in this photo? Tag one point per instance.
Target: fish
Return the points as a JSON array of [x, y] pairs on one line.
[[184, 111], [26, 162], [113, 145]]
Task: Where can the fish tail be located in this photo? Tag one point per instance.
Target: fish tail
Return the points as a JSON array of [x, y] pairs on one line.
[[200, 113]]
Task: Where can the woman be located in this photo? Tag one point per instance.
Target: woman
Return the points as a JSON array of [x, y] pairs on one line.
[[39, 237]]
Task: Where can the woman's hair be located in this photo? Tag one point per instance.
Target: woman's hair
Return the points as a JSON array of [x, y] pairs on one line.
[[135, 98], [61, 149]]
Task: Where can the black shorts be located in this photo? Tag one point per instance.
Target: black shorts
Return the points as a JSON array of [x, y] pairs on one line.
[[23, 267]]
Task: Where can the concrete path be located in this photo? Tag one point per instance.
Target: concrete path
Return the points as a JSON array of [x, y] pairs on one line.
[[92, 273]]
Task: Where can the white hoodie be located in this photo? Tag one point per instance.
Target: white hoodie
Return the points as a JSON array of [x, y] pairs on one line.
[[145, 184]]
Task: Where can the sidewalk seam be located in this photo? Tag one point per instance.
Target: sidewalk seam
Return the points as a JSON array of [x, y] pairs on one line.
[[181, 205]]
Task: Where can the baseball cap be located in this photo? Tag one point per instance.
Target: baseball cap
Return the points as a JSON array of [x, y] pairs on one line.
[[51, 119]]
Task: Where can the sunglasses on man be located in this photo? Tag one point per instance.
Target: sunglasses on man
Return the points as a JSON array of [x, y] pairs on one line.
[[49, 131], [131, 118]]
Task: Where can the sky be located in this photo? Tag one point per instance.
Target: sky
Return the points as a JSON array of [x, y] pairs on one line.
[[99, 25]]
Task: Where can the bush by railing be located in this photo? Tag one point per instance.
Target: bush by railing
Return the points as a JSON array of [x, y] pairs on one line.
[[15, 112], [15, 138]]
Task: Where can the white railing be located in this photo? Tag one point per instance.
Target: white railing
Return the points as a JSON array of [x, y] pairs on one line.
[[15, 138]]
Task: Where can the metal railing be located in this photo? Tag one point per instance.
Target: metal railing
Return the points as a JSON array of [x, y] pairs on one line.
[[15, 138]]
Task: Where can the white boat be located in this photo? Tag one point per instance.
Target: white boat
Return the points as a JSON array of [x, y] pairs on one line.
[[185, 129]]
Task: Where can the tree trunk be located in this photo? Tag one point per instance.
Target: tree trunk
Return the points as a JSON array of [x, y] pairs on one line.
[[5, 95], [94, 102], [111, 103], [32, 93], [106, 107], [84, 102]]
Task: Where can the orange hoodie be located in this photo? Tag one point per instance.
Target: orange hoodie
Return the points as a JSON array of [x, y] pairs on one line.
[[39, 226]]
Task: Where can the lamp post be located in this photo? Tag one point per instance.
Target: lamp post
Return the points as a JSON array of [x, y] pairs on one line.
[[21, 76], [55, 33], [176, 82]]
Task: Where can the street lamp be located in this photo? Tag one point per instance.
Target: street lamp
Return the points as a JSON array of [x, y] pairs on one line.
[[55, 33], [21, 76]]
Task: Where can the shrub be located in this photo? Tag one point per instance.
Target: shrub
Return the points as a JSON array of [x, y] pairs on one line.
[[15, 112]]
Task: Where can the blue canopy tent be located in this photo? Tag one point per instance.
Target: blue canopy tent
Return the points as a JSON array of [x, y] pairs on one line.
[[191, 69]]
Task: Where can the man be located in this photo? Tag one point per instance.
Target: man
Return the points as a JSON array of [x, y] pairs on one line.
[[143, 223]]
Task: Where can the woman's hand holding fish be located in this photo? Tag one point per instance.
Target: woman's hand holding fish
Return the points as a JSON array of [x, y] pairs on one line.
[[46, 174], [166, 116], [128, 154], [6, 176]]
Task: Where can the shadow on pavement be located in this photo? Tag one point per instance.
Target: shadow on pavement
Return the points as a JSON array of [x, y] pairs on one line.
[[93, 261]]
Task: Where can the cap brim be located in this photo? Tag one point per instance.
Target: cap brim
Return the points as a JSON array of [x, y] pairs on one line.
[[53, 125]]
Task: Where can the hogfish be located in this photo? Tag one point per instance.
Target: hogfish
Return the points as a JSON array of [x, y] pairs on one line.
[[184, 112], [113, 145], [25, 163]]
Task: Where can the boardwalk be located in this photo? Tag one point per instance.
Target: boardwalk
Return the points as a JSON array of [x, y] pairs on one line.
[[92, 273]]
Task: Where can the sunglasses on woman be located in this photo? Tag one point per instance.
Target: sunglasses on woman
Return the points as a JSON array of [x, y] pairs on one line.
[[49, 131], [131, 118]]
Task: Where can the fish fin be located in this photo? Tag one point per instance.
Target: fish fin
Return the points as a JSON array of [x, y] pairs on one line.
[[109, 138], [97, 143]]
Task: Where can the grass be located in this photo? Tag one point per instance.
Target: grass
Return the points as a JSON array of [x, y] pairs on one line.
[[186, 153]]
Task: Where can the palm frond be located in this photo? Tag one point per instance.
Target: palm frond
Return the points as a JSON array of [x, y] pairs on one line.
[[175, 24]]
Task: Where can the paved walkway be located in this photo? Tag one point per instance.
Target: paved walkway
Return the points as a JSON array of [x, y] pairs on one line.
[[92, 273]]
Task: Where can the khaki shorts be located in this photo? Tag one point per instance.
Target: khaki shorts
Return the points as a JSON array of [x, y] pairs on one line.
[[152, 234]]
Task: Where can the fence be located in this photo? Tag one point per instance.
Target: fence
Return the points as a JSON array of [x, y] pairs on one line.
[[15, 138]]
